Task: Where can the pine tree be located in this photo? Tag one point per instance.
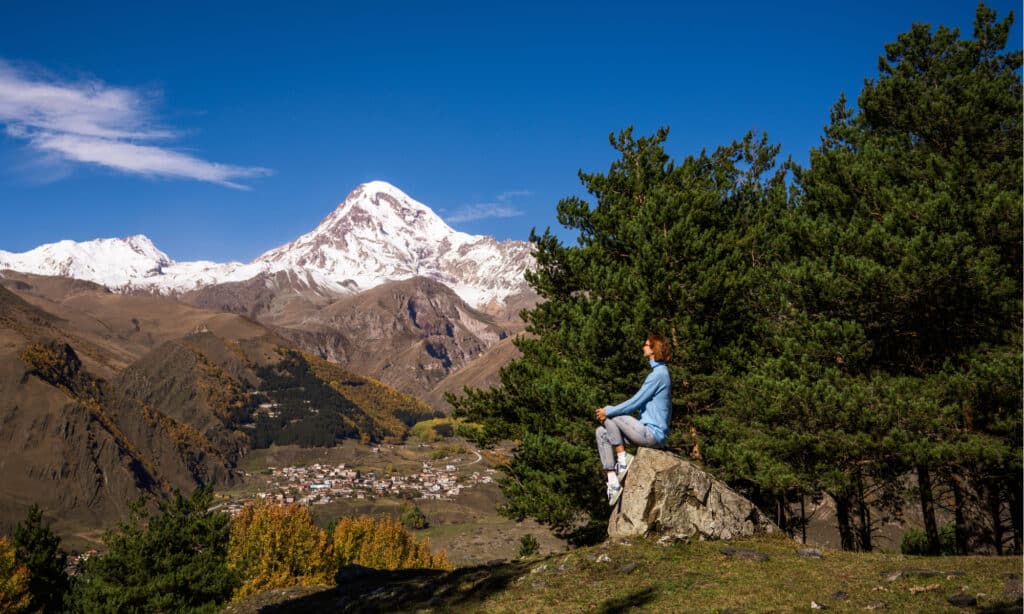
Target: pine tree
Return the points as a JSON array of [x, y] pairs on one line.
[[897, 347], [678, 250], [39, 549], [175, 561]]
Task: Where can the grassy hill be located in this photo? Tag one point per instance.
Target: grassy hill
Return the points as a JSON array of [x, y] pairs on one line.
[[679, 577]]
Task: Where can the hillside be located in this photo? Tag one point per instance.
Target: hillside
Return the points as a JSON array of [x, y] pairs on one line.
[[760, 575], [104, 397]]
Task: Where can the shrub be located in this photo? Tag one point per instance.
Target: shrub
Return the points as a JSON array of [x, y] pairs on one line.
[[528, 546], [412, 516], [915, 541]]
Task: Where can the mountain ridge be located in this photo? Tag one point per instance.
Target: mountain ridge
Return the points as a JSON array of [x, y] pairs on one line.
[[375, 235]]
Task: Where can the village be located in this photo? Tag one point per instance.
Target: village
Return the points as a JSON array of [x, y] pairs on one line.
[[323, 483]]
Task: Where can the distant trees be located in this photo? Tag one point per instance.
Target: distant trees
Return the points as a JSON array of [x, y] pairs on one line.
[[412, 516], [837, 328], [318, 404]]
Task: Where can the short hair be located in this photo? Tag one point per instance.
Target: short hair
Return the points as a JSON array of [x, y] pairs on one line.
[[659, 348]]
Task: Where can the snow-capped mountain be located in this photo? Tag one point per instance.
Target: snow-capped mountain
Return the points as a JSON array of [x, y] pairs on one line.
[[377, 234]]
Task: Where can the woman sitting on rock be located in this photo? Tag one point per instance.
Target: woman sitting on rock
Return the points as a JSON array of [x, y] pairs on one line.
[[654, 400]]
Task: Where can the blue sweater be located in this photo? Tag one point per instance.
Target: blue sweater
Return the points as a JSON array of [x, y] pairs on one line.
[[655, 397]]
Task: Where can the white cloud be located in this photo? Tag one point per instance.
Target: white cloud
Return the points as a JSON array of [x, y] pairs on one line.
[[499, 209], [512, 194], [482, 211], [88, 121], [142, 159]]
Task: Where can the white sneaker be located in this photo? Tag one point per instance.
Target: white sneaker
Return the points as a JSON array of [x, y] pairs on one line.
[[614, 492], [621, 469]]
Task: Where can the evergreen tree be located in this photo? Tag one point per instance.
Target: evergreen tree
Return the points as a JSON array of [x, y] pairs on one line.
[[175, 562], [897, 345], [679, 250], [39, 549]]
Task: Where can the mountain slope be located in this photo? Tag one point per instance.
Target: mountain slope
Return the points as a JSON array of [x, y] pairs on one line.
[[83, 433], [409, 334]]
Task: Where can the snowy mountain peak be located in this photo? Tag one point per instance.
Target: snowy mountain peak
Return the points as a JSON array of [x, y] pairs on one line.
[[380, 233], [112, 262], [378, 206], [377, 234]]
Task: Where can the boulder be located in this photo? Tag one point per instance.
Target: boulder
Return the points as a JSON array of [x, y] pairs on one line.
[[664, 494]]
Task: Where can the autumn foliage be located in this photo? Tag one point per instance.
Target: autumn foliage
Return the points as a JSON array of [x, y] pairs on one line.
[[383, 543], [274, 546], [14, 595]]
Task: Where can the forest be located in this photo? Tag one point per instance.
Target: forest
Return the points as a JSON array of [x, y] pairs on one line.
[[850, 328]]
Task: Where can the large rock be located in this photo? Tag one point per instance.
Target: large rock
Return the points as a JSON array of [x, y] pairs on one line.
[[666, 495]]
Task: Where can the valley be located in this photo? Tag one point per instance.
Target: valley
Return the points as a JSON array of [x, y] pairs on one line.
[[450, 481], [124, 373]]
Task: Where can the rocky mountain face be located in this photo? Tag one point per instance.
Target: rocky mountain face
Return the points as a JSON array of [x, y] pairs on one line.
[[376, 235], [69, 441], [410, 334]]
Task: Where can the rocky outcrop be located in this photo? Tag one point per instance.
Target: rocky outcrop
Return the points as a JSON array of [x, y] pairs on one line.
[[410, 334], [665, 494]]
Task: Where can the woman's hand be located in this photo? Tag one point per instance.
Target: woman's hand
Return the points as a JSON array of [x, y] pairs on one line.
[[600, 414]]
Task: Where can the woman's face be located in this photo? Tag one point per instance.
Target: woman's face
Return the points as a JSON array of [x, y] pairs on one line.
[[648, 352]]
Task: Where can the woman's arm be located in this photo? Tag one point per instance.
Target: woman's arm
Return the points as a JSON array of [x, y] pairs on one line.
[[646, 393]]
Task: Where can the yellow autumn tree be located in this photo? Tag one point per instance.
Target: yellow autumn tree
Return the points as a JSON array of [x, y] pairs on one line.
[[383, 544], [275, 546], [14, 595]]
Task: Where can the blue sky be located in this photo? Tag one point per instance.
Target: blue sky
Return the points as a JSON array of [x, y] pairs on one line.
[[221, 130]]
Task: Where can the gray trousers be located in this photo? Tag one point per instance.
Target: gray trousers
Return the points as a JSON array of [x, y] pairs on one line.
[[617, 431]]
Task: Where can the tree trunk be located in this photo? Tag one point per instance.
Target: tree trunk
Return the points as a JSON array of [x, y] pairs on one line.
[[780, 512], [865, 517], [1013, 497], [995, 508], [803, 520], [846, 540], [961, 519], [931, 529]]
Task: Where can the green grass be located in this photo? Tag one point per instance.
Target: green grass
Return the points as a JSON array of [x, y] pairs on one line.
[[697, 577], [686, 577]]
